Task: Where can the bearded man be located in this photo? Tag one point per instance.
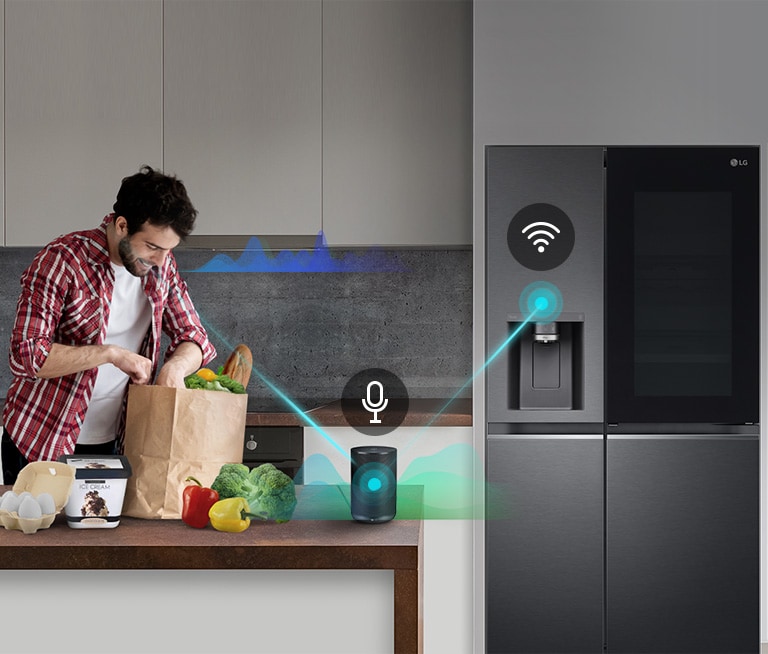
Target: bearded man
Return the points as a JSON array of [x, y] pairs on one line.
[[89, 321]]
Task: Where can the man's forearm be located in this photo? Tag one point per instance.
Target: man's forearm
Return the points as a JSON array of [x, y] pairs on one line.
[[185, 360], [68, 359], [187, 356]]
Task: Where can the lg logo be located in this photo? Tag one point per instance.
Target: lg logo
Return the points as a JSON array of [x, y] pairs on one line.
[[739, 162]]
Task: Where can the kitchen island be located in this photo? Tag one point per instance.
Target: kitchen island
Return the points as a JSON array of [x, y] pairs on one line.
[[320, 536]]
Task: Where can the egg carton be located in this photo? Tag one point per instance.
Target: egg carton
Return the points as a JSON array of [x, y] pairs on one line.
[[50, 477], [11, 520]]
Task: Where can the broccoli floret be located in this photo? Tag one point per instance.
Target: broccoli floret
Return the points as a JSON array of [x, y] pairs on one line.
[[275, 496], [270, 493], [234, 480]]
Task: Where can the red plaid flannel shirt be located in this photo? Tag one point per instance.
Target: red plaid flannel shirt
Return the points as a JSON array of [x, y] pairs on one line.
[[65, 298]]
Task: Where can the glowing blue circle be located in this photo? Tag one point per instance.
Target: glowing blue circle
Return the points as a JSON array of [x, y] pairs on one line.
[[374, 484], [541, 301]]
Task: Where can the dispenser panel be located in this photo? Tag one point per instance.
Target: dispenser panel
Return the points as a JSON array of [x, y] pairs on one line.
[[544, 213]]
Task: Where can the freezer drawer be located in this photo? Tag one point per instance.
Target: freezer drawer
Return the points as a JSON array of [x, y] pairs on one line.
[[544, 544], [682, 544]]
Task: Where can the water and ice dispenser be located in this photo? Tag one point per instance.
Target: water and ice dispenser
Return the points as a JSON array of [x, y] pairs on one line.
[[549, 367]]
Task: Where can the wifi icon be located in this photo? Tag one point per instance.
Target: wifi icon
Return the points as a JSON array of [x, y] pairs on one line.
[[541, 234]]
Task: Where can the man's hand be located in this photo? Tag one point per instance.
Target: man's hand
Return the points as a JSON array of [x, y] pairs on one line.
[[137, 367]]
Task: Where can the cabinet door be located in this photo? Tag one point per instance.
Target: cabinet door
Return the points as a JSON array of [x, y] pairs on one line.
[[2, 135], [397, 122], [83, 102], [544, 545], [682, 545], [242, 113]]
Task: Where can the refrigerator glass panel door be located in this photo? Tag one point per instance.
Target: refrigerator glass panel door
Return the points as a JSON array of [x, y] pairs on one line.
[[682, 326]]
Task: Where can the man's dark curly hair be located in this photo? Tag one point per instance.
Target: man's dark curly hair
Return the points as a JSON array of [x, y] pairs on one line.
[[152, 196]]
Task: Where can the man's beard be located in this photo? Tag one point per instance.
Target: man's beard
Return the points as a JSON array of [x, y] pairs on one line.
[[134, 265]]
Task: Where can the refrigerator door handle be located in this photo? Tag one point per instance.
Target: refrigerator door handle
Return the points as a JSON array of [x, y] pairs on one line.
[[545, 437], [687, 437]]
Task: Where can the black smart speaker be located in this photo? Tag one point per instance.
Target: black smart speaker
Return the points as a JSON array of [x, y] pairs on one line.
[[374, 483]]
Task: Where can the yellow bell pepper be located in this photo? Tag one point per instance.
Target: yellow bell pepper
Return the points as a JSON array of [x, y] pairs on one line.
[[231, 514], [207, 374]]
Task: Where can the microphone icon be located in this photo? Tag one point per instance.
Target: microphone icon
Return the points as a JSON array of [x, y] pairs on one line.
[[379, 405]]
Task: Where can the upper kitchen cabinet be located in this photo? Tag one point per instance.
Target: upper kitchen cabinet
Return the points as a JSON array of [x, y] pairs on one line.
[[2, 134], [242, 113], [397, 122], [83, 103]]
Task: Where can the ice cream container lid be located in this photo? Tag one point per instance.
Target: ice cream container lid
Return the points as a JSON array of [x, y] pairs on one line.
[[103, 466]]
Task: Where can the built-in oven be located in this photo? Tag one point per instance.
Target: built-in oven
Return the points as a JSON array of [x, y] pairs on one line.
[[272, 437], [282, 446], [682, 284]]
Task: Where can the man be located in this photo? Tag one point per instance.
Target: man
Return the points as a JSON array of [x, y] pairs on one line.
[[89, 319]]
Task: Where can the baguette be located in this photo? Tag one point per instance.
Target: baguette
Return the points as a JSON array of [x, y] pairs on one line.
[[239, 364]]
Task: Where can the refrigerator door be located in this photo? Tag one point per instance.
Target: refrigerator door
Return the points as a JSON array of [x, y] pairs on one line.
[[559, 189], [682, 543], [544, 544], [683, 284]]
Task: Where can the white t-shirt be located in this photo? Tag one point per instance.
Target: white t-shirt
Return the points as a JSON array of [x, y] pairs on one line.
[[130, 315]]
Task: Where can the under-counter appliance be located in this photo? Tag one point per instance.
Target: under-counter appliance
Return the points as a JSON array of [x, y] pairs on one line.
[[274, 437], [622, 428]]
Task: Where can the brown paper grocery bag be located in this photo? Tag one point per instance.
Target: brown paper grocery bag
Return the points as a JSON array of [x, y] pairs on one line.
[[172, 433]]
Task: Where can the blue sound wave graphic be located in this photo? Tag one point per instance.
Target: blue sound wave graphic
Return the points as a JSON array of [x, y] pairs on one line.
[[319, 259]]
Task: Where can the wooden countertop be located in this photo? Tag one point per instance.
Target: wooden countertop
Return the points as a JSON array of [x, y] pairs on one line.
[[436, 412], [321, 535]]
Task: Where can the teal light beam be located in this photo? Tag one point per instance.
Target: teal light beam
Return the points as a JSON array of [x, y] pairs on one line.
[[537, 298], [277, 391], [487, 363]]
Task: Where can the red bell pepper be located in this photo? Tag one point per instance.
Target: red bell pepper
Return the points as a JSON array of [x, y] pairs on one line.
[[197, 501]]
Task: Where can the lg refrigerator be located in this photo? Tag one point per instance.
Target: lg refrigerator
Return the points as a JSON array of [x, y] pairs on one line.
[[623, 400]]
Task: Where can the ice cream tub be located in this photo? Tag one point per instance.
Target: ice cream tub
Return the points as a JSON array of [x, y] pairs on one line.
[[98, 490]]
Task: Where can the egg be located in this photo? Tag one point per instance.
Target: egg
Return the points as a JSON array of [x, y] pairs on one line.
[[29, 508], [47, 503], [10, 502]]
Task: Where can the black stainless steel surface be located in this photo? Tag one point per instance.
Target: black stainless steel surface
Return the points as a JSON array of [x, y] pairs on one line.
[[569, 180], [682, 544], [544, 544]]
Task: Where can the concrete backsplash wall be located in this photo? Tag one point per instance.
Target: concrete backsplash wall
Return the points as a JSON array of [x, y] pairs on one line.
[[311, 332]]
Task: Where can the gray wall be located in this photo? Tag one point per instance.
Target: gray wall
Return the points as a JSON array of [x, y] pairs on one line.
[[607, 72], [311, 332]]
